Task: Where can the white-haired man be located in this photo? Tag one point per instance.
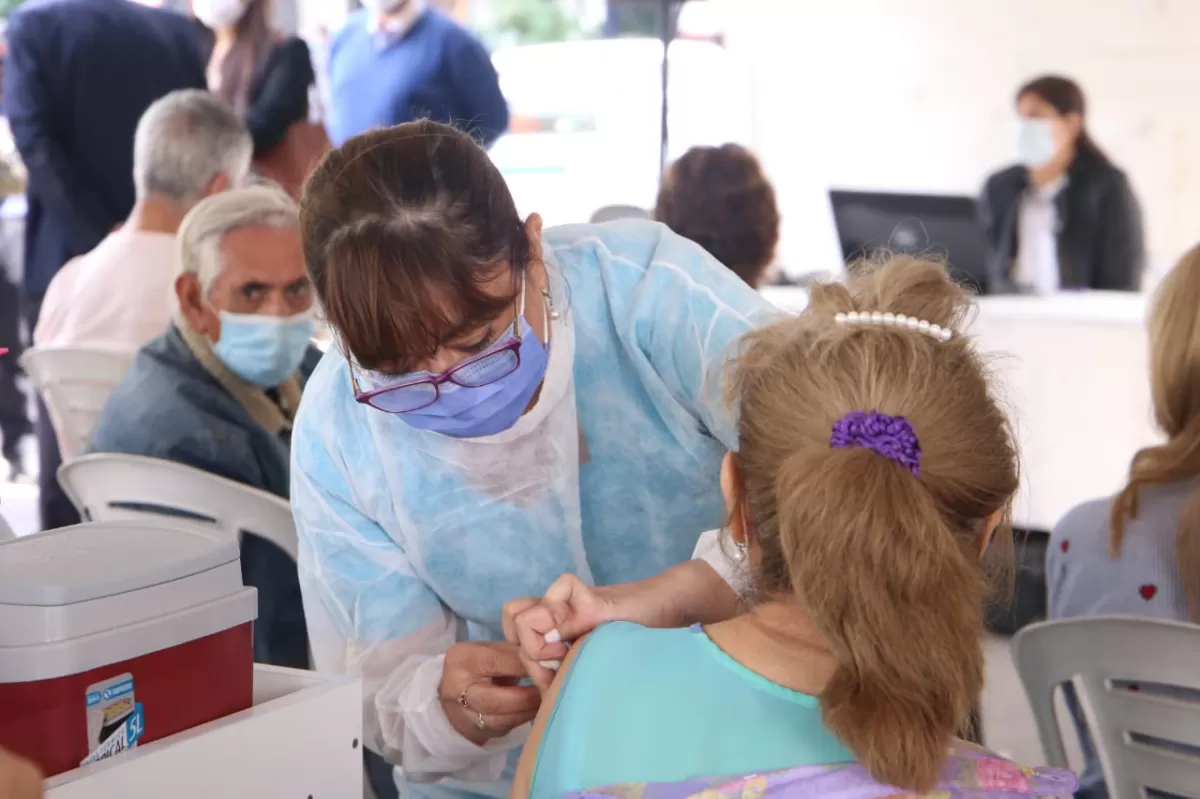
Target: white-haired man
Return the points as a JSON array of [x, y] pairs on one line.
[[218, 390], [188, 146]]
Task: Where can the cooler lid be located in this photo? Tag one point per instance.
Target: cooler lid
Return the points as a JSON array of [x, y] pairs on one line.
[[99, 559]]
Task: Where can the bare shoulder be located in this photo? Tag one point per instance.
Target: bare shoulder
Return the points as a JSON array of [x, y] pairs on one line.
[[523, 780]]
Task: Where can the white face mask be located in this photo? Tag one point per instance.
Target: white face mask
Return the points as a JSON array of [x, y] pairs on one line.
[[1035, 142], [217, 14], [382, 6]]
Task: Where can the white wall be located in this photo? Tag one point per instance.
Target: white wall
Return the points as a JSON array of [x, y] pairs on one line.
[[917, 95]]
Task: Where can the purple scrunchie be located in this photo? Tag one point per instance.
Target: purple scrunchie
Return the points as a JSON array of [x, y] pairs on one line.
[[890, 436]]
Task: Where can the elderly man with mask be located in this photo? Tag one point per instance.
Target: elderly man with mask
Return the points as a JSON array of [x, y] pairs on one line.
[[218, 390]]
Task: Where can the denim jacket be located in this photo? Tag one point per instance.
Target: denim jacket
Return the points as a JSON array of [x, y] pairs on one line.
[[179, 403], [183, 407]]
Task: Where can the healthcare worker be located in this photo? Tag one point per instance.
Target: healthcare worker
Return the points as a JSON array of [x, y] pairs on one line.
[[1065, 217], [504, 404]]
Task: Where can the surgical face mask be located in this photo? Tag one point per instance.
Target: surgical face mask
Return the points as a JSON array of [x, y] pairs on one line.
[[1035, 142], [383, 6], [263, 350], [465, 412], [216, 14]]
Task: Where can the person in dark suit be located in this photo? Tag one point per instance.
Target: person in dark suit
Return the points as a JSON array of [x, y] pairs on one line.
[[1065, 217], [14, 413], [78, 77]]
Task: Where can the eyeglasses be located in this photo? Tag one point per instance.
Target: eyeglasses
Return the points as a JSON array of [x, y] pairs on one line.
[[475, 372]]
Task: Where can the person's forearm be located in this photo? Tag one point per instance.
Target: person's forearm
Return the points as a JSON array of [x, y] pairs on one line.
[[433, 748], [689, 593], [19, 778]]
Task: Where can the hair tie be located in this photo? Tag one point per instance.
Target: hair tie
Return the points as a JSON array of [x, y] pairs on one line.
[[890, 436], [889, 319]]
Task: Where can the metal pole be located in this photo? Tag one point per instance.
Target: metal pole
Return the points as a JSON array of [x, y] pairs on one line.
[[665, 30]]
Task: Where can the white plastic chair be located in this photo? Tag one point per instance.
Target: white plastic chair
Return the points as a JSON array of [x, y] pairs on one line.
[[6, 531], [1144, 738], [116, 487], [75, 384], [610, 213]]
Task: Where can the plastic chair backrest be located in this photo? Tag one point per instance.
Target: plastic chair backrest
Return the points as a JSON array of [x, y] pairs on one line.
[[75, 383], [610, 213], [1145, 738], [116, 487]]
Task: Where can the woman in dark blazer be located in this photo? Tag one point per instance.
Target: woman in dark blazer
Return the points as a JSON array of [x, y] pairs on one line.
[[266, 77], [1065, 217]]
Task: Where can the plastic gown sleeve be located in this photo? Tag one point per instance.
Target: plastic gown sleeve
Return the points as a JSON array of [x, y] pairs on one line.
[[688, 314], [688, 347], [370, 616]]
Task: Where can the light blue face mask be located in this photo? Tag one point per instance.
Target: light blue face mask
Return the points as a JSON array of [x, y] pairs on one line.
[[263, 350], [1035, 142]]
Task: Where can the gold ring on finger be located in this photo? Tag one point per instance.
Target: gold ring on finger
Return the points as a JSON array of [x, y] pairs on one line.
[[480, 724]]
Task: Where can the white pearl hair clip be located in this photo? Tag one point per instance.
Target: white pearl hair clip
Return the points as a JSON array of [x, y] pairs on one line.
[[894, 320]]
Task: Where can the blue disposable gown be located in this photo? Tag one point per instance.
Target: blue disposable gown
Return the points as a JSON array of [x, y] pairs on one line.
[[411, 540]]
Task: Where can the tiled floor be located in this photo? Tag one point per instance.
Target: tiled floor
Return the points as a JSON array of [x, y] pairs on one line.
[[1008, 725], [1007, 721]]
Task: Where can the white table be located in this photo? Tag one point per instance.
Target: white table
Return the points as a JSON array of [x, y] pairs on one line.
[[1073, 370], [302, 738]]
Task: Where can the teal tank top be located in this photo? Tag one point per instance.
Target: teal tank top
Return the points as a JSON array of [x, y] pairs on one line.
[[646, 705]]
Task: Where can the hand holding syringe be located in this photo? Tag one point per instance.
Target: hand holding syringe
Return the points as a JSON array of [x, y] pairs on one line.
[[544, 628]]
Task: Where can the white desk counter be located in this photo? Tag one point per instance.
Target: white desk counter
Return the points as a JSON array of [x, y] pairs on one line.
[[1073, 370], [302, 738]]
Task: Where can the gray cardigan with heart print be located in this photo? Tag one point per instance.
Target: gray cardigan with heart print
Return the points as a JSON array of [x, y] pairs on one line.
[[1144, 580]]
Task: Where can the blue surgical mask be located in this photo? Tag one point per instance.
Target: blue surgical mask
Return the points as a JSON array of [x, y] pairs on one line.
[[263, 350], [463, 412], [1035, 142]]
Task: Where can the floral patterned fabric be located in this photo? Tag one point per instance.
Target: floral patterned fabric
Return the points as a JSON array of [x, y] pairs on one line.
[[969, 773]]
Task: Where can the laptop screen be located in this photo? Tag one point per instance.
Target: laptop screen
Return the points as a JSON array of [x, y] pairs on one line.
[[943, 227]]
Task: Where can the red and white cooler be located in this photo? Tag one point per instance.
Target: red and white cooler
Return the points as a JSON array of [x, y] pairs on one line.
[[119, 633]]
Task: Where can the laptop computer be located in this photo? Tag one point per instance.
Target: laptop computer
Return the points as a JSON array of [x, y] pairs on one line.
[[944, 227]]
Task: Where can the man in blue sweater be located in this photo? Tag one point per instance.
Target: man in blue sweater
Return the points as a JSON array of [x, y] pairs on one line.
[[399, 60]]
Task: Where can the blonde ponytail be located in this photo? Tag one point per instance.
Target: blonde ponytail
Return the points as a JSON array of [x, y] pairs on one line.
[[884, 558], [902, 611]]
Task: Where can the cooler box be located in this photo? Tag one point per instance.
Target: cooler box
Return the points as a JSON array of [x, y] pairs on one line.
[[119, 633]]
